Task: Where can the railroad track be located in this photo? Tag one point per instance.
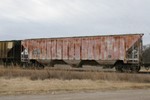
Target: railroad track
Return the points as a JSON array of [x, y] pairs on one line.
[[90, 70]]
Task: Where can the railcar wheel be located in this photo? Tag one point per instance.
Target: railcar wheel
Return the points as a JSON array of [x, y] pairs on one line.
[[135, 69], [24, 65], [5, 64], [39, 66], [147, 68], [119, 68]]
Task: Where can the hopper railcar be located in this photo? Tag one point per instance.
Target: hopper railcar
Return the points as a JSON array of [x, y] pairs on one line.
[[124, 52]]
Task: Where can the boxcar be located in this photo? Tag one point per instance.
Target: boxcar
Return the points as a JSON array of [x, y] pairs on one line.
[[124, 52], [10, 52]]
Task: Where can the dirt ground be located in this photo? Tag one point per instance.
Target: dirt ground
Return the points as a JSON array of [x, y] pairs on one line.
[[140, 94]]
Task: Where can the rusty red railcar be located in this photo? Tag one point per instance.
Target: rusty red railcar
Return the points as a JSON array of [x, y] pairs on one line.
[[120, 51]]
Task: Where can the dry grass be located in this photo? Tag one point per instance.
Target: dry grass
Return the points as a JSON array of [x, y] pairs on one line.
[[18, 81], [9, 73], [27, 86]]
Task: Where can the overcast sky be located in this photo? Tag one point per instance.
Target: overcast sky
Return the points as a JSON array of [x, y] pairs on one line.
[[21, 19]]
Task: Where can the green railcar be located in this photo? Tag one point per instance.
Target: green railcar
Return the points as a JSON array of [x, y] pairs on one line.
[[10, 52], [146, 57]]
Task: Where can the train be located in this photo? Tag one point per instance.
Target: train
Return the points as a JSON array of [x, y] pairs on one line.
[[124, 52]]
